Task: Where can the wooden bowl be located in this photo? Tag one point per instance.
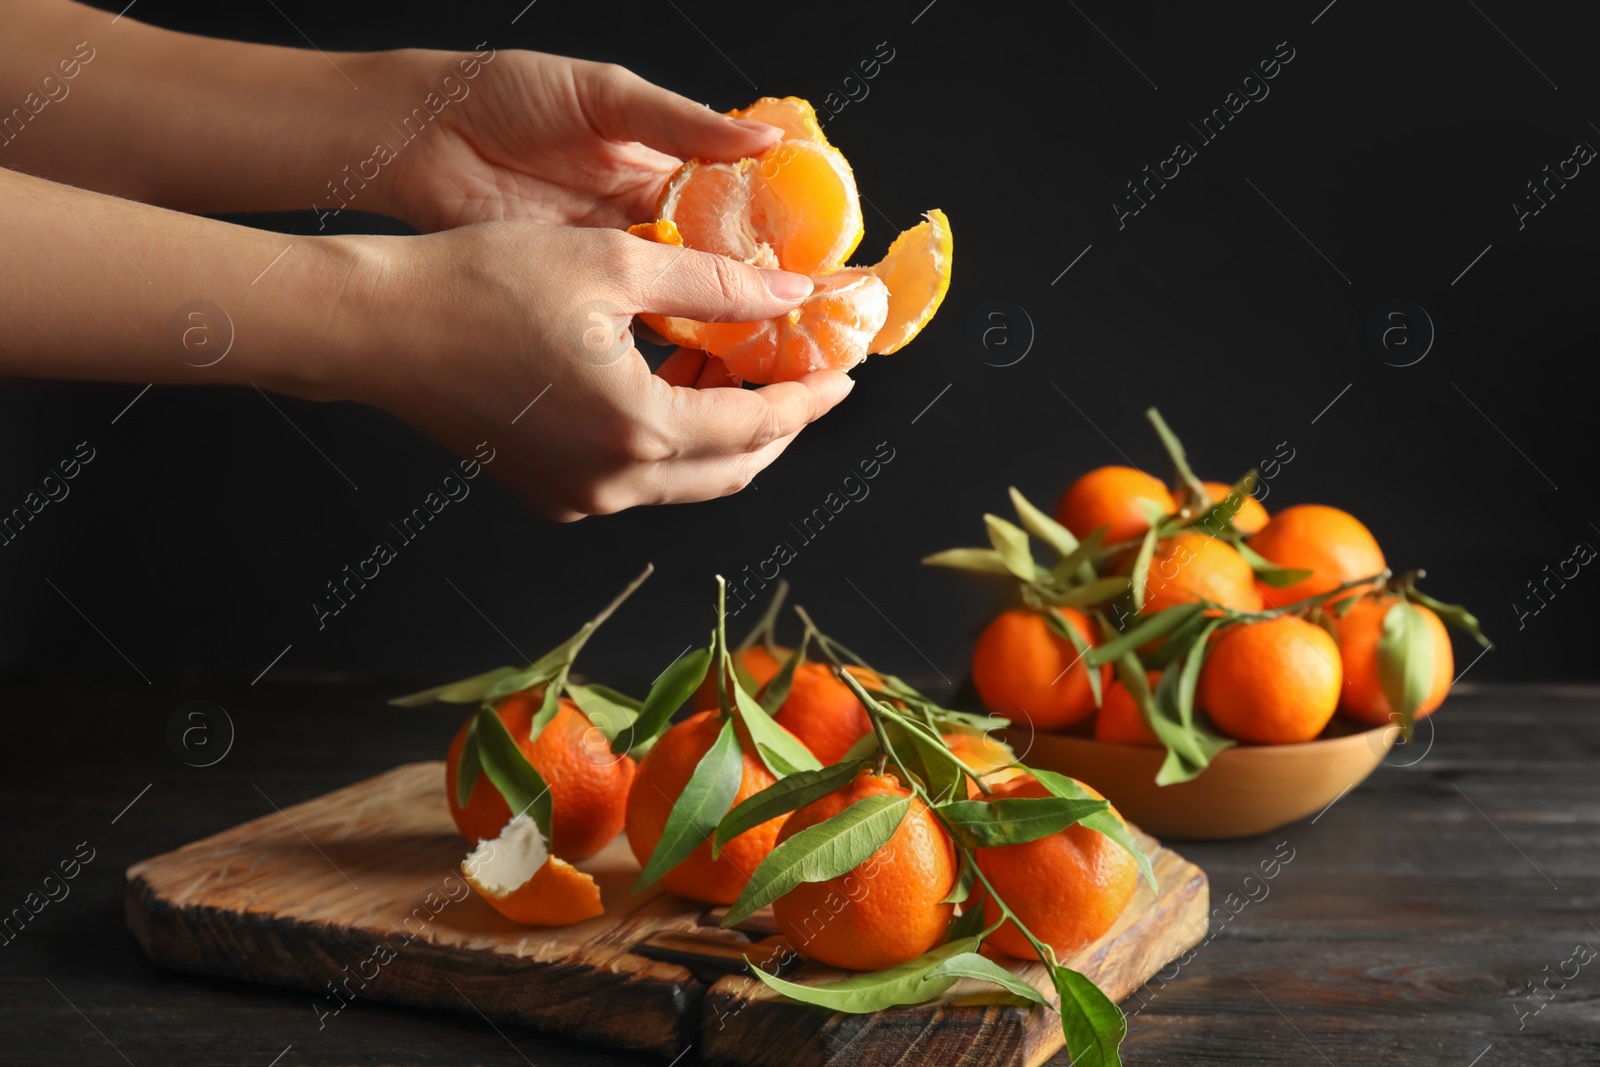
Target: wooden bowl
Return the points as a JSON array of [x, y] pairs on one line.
[[1248, 789]]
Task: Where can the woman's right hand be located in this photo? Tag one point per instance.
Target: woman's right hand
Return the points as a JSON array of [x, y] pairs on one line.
[[517, 334]]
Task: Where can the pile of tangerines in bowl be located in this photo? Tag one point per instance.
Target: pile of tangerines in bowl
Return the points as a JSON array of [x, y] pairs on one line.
[[1216, 670]]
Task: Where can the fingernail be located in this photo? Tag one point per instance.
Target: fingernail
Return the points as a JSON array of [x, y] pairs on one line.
[[764, 128], [786, 285]]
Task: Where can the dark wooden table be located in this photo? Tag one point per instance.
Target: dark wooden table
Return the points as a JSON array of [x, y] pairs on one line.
[[1409, 926]]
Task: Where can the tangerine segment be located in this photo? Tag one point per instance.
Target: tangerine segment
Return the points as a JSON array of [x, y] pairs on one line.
[[519, 878], [794, 116], [831, 329], [917, 271], [794, 207]]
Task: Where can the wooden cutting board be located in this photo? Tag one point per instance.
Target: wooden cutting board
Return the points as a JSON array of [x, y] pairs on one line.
[[357, 896]]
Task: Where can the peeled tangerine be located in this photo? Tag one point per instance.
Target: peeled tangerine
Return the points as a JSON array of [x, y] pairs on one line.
[[795, 208], [519, 878]]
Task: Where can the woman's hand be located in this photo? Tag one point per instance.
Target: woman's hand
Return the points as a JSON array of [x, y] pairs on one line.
[[517, 334], [547, 139]]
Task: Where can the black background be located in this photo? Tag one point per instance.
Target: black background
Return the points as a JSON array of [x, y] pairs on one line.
[[1396, 141]]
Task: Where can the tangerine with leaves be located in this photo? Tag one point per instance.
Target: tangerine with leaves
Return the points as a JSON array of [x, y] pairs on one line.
[[1273, 682], [660, 780], [1068, 888], [822, 711], [1027, 672], [993, 760], [588, 784], [1332, 544], [1250, 517], [1194, 566], [892, 909], [757, 661], [1110, 497], [1120, 721], [1359, 631]]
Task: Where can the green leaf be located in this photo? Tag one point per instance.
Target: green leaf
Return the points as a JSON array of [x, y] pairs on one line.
[[510, 772], [516, 682], [1140, 575], [615, 696], [1103, 821], [1405, 662], [1092, 1025], [676, 684], [860, 994], [600, 706], [1013, 820], [783, 796], [702, 804], [1080, 562], [1147, 629], [1190, 747], [1177, 643], [1012, 545], [468, 766], [1180, 461], [1450, 614], [1268, 571], [466, 691], [780, 750], [1069, 633], [777, 690], [966, 875], [829, 849], [972, 965], [979, 560], [1096, 591], [1218, 518], [549, 704], [1043, 526]]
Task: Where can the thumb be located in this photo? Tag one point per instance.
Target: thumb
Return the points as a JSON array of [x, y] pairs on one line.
[[626, 107], [673, 280]]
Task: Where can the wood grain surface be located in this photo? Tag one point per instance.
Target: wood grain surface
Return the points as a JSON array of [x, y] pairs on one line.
[[1405, 930], [355, 896]]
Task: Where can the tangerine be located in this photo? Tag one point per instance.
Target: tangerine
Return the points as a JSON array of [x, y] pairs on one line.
[[1109, 497], [1274, 682], [888, 910], [1332, 544], [823, 713], [1120, 721], [660, 780], [1024, 671], [1194, 566], [1068, 888], [1250, 517], [1359, 630], [588, 784]]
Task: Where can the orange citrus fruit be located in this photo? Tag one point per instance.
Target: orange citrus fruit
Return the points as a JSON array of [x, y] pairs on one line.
[[1068, 888], [1250, 517], [992, 759], [588, 784], [523, 882], [823, 713], [662, 774], [1331, 544], [795, 207], [1109, 496], [885, 912], [1359, 629], [758, 662], [1120, 721], [1028, 674], [1275, 682], [1195, 566]]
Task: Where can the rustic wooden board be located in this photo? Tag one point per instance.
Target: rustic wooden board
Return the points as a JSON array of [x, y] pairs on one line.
[[356, 896]]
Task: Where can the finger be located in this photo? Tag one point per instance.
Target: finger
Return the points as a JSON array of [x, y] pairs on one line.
[[715, 375], [625, 107], [673, 280], [684, 367], [687, 481], [733, 422]]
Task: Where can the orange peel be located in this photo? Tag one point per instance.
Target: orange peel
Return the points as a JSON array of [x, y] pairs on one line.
[[519, 878]]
